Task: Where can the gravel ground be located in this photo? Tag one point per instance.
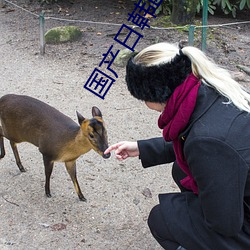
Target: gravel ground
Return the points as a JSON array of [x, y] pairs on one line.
[[119, 195]]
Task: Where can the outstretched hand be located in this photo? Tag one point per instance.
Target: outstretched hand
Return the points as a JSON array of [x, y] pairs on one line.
[[124, 150]]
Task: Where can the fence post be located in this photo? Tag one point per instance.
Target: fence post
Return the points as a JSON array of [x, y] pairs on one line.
[[191, 35], [42, 31], [204, 24]]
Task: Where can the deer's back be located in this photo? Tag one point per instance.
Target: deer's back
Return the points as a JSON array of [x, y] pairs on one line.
[[24, 118]]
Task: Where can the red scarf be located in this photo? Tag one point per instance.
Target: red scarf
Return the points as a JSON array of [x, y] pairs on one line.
[[175, 118]]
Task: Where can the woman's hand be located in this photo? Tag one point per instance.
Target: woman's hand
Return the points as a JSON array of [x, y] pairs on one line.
[[124, 150]]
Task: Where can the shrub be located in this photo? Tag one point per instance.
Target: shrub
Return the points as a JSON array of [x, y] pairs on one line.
[[227, 6]]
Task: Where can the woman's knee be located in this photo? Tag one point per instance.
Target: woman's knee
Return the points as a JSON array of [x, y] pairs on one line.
[[159, 229], [153, 218]]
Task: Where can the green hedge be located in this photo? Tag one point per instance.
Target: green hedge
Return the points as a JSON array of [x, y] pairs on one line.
[[227, 6]]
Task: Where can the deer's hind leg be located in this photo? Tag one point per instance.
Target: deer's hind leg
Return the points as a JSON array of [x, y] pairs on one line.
[[71, 168], [1, 144], [18, 161]]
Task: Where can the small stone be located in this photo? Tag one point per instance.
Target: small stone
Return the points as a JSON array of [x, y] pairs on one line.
[[123, 57], [45, 225], [147, 193], [62, 34], [136, 201], [239, 76]]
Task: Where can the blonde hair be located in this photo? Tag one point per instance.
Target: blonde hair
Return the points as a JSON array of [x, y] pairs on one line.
[[202, 67]]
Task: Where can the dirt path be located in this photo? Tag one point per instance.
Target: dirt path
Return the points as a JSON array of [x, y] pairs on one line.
[[115, 214]]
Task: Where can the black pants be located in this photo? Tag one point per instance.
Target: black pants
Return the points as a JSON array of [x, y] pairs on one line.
[[156, 222]]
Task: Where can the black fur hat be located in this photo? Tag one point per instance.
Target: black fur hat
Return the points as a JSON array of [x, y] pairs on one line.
[[156, 83]]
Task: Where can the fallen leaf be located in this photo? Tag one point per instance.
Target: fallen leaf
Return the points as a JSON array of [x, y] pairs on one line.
[[58, 227], [148, 16]]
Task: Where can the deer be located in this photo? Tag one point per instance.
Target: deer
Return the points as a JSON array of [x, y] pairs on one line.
[[58, 137]]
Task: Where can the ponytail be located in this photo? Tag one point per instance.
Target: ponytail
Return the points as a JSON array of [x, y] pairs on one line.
[[218, 78]]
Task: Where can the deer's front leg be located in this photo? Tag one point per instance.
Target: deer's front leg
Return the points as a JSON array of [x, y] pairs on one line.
[[48, 165], [71, 168]]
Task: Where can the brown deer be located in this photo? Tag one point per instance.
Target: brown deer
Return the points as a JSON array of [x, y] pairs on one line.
[[59, 139]]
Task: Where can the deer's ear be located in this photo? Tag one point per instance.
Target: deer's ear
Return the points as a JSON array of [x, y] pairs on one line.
[[80, 118], [96, 112]]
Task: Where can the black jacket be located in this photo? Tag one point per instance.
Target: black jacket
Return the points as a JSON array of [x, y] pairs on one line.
[[216, 145]]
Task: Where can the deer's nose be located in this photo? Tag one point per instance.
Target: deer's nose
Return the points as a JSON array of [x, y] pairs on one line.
[[106, 156]]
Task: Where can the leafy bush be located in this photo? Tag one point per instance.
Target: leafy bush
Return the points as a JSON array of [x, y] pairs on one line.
[[232, 6], [227, 6], [211, 7]]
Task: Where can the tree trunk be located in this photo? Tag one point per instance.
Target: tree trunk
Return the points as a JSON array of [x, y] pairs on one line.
[[183, 11]]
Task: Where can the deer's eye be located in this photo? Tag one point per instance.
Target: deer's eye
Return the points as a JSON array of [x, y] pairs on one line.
[[91, 136]]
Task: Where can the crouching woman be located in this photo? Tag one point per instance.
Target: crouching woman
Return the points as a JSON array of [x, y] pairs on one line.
[[205, 120]]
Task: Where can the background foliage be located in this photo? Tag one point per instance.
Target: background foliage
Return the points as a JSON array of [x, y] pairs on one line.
[[227, 6]]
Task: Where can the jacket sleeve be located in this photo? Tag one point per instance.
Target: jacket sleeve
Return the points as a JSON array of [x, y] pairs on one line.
[[220, 173], [155, 151]]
